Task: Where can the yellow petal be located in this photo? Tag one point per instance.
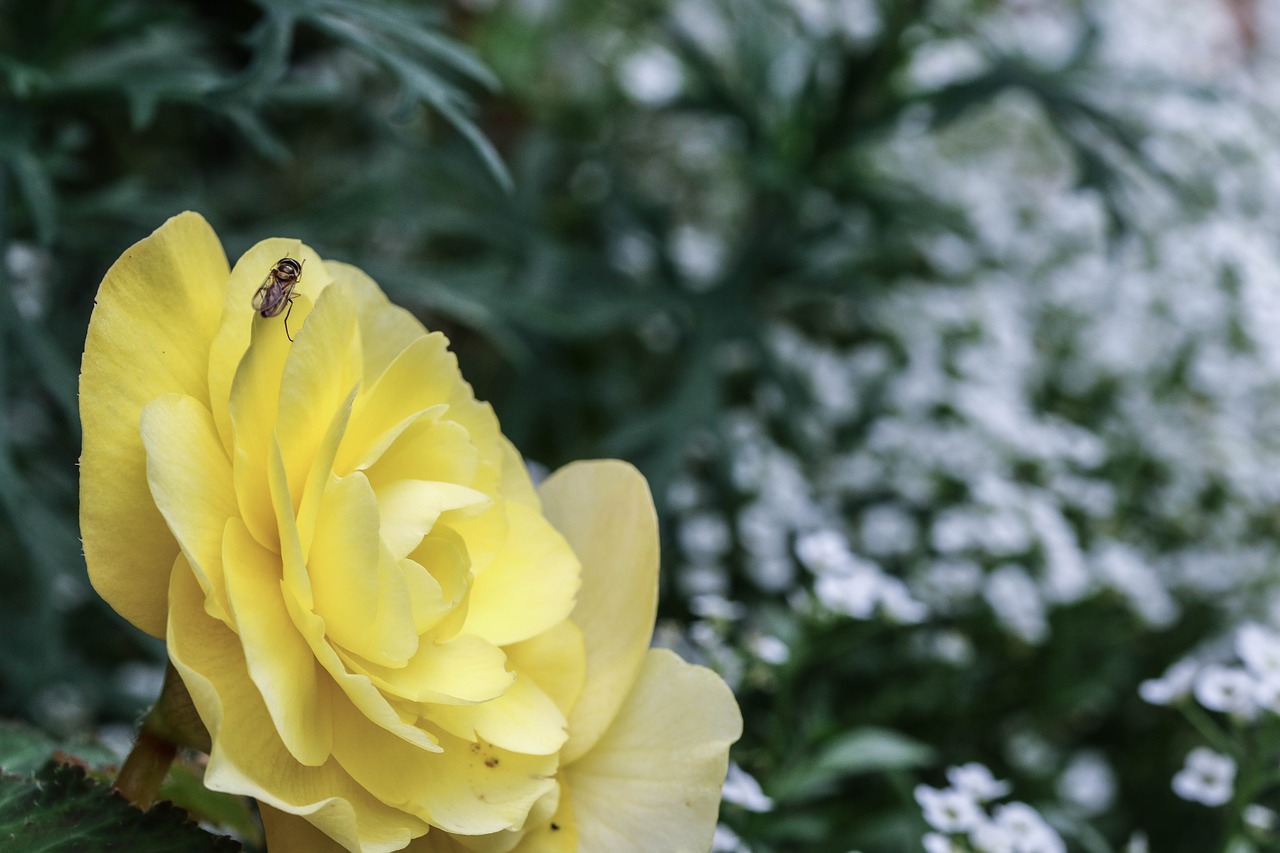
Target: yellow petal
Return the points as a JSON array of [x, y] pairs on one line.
[[545, 816], [444, 555], [410, 508], [419, 378], [386, 330], [605, 511], [464, 669], [254, 405], [296, 691], [556, 660], [523, 719], [157, 310], [357, 585], [652, 782], [248, 756], [555, 834], [367, 700], [529, 585], [322, 367], [472, 788], [190, 480], [235, 330]]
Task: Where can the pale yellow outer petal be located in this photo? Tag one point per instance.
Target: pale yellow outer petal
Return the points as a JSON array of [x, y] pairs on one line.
[[248, 756], [652, 782], [386, 330], [157, 310], [190, 479], [605, 511]]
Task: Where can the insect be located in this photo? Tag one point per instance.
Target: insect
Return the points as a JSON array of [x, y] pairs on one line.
[[276, 291]]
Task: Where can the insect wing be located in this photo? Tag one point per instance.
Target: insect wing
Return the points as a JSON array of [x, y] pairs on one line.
[[260, 297], [269, 297]]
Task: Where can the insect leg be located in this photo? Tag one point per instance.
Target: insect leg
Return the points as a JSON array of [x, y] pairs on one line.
[[287, 312]]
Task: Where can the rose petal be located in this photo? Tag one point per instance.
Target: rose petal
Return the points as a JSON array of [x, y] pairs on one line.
[[386, 330], [462, 670], [529, 585], [254, 406], [296, 691], [556, 660], [474, 788], [190, 480], [356, 583], [248, 756], [523, 719], [605, 511], [238, 317], [322, 367], [157, 310], [652, 781]]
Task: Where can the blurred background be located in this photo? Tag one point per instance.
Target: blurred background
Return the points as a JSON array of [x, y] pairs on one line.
[[946, 331]]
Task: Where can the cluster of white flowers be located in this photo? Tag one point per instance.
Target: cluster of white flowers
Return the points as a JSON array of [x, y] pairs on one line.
[[964, 819], [1246, 688], [1243, 688], [971, 438]]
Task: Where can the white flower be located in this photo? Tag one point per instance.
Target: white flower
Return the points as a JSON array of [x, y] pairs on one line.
[[899, 605], [769, 649], [978, 782], [1028, 829], [1174, 685], [1138, 844], [726, 840], [709, 605], [948, 810], [1208, 777], [1017, 603], [824, 551], [990, 837], [699, 253], [888, 529], [936, 842], [855, 594], [742, 789], [1088, 782], [1259, 817], [1259, 648], [651, 75], [1228, 689], [704, 536]]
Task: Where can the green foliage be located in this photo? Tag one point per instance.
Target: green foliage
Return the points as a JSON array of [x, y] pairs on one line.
[[57, 797], [63, 810], [610, 269]]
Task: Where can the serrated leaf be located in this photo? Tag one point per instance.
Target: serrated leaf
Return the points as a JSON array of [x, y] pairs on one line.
[[64, 811]]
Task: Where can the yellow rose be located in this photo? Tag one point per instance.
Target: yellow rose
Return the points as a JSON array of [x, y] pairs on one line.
[[379, 620]]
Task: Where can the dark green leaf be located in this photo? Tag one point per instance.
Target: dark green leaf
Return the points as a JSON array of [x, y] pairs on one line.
[[64, 811]]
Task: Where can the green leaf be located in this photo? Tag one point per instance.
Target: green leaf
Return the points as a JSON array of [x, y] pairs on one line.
[[872, 749], [857, 752], [64, 811], [185, 788], [23, 750]]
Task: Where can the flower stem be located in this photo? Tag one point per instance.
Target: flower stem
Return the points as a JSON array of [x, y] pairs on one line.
[[145, 768], [171, 723]]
